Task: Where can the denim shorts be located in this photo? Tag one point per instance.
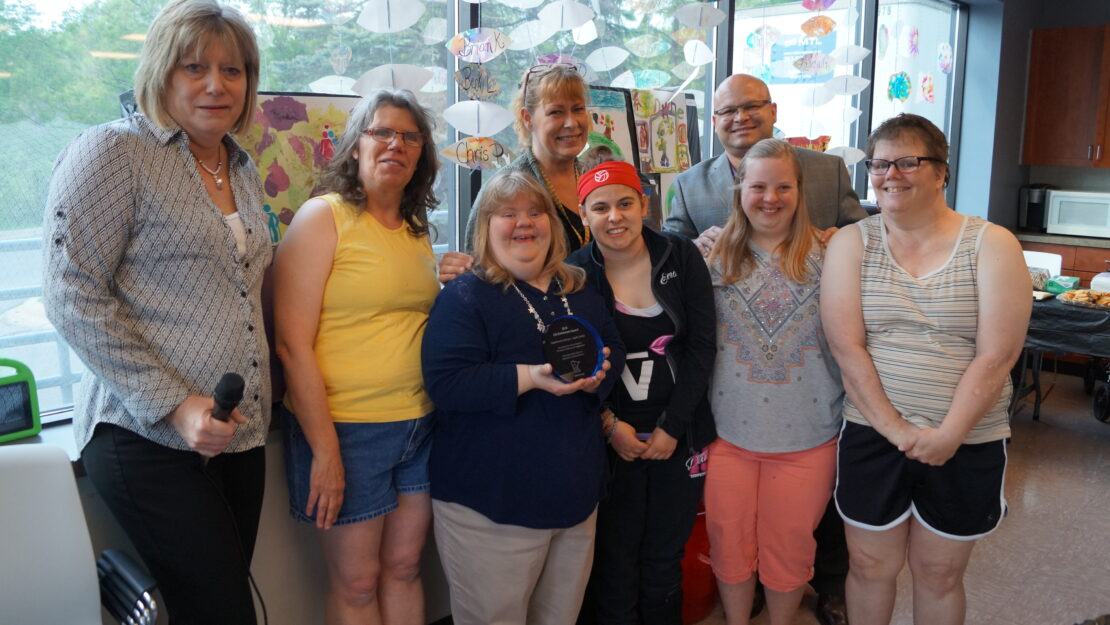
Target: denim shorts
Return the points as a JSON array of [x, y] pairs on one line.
[[380, 461]]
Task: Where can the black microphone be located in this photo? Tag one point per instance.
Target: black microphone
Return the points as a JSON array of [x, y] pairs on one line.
[[229, 392]]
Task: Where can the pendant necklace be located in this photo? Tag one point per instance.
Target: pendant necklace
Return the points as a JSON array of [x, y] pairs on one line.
[[540, 325], [584, 236], [215, 173]]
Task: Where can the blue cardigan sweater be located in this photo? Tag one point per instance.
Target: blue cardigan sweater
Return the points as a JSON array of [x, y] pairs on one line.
[[536, 460]]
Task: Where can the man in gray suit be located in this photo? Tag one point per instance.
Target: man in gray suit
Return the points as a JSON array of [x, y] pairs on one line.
[[743, 115]]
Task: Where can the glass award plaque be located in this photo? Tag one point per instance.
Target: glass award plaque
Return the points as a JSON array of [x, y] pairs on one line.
[[573, 348]]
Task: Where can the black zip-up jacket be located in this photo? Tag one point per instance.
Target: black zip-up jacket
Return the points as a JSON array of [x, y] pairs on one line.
[[681, 284]]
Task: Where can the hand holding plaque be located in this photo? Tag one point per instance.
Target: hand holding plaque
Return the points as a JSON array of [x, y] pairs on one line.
[[573, 348]]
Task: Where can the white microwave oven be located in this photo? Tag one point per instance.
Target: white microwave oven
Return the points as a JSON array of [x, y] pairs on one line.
[[1078, 213]]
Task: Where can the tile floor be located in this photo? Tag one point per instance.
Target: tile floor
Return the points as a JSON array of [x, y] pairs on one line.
[[1049, 562]]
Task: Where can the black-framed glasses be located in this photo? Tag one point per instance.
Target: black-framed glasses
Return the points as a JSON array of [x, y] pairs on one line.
[[905, 164], [411, 138], [540, 70], [748, 108]]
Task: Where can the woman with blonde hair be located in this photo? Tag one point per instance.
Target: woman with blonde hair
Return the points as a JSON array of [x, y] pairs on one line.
[[354, 280], [156, 245], [775, 392], [517, 458]]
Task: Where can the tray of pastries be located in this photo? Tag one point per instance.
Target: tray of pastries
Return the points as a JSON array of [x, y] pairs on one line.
[[1086, 297]]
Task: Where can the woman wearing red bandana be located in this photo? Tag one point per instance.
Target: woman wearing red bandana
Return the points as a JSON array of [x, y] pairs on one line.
[[657, 419]]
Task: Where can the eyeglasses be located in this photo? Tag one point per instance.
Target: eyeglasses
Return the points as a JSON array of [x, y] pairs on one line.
[[411, 138], [540, 70], [906, 164], [748, 108]]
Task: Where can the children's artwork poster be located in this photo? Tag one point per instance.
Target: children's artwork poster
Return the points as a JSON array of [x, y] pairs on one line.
[[290, 138], [662, 131], [613, 123]]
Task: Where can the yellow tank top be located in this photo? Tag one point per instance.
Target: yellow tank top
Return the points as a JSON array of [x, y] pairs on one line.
[[376, 302]]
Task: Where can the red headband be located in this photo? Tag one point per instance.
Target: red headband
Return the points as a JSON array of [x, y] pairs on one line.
[[609, 172]]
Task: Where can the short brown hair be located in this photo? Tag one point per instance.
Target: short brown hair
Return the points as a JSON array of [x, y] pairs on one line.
[[732, 250], [186, 27], [903, 124], [502, 188], [340, 175], [544, 83]]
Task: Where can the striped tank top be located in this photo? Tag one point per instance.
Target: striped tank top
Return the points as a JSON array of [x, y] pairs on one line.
[[921, 331]]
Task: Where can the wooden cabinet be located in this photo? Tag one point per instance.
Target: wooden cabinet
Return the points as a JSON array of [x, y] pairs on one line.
[[1067, 117], [1077, 260]]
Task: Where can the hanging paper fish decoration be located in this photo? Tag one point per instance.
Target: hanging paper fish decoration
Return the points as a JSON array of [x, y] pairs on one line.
[[478, 45], [763, 37], [478, 153], [899, 87], [818, 26], [647, 46], [476, 81], [882, 40], [817, 5], [641, 79], [814, 64], [927, 88], [339, 58], [944, 57]]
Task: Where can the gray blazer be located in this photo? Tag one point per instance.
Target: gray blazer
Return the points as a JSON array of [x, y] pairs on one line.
[[703, 194]]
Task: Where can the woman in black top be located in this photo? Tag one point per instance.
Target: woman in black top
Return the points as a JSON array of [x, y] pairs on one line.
[[658, 420]]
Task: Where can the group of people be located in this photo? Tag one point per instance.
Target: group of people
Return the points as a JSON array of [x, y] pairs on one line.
[[773, 351]]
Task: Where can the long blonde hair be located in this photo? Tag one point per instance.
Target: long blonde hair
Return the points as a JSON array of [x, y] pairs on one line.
[[504, 187], [732, 249]]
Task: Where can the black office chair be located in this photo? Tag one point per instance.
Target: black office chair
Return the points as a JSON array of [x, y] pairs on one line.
[[49, 575]]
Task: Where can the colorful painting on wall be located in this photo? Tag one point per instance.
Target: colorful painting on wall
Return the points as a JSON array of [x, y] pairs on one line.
[[610, 112], [661, 128], [290, 138]]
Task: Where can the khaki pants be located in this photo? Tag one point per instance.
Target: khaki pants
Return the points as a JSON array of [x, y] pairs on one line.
[[512, 575]]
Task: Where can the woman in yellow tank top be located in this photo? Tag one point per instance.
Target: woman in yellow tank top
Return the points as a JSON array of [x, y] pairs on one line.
[[354, 280]]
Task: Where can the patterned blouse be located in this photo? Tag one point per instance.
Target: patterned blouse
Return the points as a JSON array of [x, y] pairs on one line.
[[144, 281]]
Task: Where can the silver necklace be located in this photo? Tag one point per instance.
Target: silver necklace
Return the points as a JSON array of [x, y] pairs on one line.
[[215, 173], [540, 325]]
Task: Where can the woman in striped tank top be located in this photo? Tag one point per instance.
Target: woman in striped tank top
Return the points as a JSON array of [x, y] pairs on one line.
[[925, 310]]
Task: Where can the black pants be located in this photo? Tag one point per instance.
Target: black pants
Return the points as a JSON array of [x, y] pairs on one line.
[[830, 564], [642, 529], [172, 506]]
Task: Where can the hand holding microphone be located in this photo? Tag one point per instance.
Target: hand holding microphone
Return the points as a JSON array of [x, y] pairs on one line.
[[208, 423]]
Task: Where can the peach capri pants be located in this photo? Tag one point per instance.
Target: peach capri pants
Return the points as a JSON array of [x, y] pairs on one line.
[[761, 511]]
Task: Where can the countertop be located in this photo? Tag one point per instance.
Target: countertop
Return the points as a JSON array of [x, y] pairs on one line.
[[1062, 239]]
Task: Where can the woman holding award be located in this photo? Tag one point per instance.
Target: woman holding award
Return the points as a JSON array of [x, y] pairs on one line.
[[517, 458], [657, 418]]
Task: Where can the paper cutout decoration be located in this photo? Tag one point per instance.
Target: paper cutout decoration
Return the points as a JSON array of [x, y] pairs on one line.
[[847, 85], [333, 84], [909, 44], [814, 64], [340, 58], [530, 34], [899, 87], [850, 114], [926, 88], [818, 144], [438, 82], [478, 153], [522, 4], [647, 46], [661, 128], [641, 79], [816, 96], [850, 155], [763, 37], [290, 138], [390, 16], [683, 70], [556, 58], [392, 76], [435, 31], [699, 15], [481, 119], [818, 5], [478, 45], [697, 53], [849, 55], [944, 57], [613, 124], [476, 81], [607, 58], [566, 14], [818, 26], [684, 34], [882, 40], [584, 34]]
